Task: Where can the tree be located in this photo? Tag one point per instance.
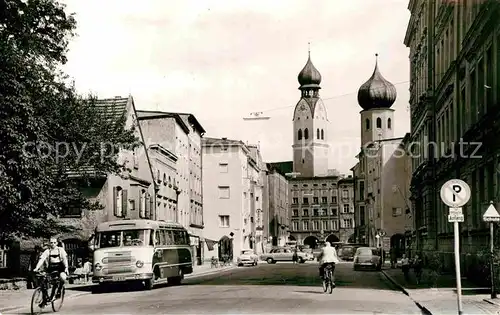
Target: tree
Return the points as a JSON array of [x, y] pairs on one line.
[[40, 113]]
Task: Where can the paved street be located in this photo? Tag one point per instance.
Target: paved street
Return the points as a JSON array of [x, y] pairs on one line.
[[278, 289]]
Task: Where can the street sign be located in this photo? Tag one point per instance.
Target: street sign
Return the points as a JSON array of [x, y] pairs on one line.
[[455, 217], [455, 193], [456, 211], [491, 214]]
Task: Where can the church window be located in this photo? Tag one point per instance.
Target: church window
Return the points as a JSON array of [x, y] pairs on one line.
[[379, 122], [318, 136], [389, 123], [306, 134], [322, 134], [300, 134], [367, 124]]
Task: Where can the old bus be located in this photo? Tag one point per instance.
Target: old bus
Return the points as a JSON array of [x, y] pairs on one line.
[[146, 251]]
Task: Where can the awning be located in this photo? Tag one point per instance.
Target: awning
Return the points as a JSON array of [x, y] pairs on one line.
[[210, 243]]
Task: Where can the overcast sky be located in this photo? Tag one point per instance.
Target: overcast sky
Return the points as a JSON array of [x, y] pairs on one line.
[[221, 60]]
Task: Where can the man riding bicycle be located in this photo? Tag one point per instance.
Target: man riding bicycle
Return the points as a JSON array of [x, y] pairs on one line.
[[328, 256], [55, 260]]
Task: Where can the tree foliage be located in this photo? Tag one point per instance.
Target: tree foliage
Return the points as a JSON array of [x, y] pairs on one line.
[[39, 113]]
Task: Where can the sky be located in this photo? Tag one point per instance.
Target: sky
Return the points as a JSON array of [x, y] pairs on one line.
[[222, 60]]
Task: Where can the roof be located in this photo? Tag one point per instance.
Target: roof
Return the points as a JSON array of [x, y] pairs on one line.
[[119, 225], [281, 167], [151, 115], [346, 180], [222, 141], [192, 120], [111, 109]]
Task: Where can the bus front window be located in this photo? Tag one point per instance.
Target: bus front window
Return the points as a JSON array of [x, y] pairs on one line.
[[124, 238], [134, 237], [110, 239]]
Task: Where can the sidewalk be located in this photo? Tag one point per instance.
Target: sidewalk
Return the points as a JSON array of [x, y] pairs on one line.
[[12, 300], [443, 299]]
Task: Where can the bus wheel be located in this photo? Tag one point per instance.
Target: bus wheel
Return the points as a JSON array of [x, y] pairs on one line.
[[148, 284], [176, 280]]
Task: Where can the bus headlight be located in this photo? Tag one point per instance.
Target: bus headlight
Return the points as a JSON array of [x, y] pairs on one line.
[[98, 267], [139, 263]]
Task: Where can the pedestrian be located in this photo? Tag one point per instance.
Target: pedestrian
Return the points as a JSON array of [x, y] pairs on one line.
[[418, 265], [295, 256], [405, 267], [393, 254]]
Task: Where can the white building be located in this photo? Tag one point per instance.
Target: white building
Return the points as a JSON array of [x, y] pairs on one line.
[[232, 187]]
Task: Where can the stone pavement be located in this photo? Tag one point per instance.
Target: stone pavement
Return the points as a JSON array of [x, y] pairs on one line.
[[442, 300], [12, 300]]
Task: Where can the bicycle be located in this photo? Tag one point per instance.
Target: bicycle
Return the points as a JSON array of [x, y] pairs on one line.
[[47, 282], [328, 279]]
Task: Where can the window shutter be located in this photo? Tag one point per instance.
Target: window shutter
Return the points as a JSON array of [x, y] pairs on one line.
[[124, 203], [115, 195]]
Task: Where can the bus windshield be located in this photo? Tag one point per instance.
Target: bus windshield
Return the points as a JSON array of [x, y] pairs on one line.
[[123, 238]]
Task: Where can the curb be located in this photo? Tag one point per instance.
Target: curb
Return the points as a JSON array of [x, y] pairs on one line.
[[491, 302], [209, 272], [16, 309], [400, 287]]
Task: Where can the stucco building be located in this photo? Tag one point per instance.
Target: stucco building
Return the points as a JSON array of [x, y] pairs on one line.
[[381, 175], [454, 97], [232, 187], [276, 213]]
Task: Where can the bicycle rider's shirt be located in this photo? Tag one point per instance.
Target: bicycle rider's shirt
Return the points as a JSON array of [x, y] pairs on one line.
[[54, 257], [329, 255]]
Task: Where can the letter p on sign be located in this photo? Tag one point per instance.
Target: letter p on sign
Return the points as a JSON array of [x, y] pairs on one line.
[[455, 193]]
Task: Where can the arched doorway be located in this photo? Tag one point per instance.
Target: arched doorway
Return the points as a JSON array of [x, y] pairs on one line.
[[311, 241], [332, 238], [225, 248], [398, 244]]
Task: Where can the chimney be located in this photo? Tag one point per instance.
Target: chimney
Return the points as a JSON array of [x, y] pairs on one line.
[[224, 138]]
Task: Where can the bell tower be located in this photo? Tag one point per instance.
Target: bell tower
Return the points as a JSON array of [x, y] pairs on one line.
[[310, 125]]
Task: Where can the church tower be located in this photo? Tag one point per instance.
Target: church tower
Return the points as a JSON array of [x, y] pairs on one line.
[[310, 125], [376, 97]]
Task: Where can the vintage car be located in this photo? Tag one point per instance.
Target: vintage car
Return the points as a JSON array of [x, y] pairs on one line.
[[368, 258], [283, 254], [247, 256]]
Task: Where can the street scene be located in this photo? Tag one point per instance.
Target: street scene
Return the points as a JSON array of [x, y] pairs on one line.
[[237, 157]]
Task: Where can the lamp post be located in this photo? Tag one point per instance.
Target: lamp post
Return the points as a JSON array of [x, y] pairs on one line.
[[491, 216]]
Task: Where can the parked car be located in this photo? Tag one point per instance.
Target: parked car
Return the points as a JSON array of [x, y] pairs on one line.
[[283, 254], [247, 256], [367, 258], [347, 252]]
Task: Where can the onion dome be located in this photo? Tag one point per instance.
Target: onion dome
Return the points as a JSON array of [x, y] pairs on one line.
[[309, 77], [377, 92]]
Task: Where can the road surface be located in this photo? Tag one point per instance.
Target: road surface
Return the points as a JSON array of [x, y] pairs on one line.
[[281, 288]]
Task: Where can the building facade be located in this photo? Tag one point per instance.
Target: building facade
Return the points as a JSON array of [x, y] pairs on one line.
[[346, 209], [277, 223], [381, 176], [454, 97], [178, 135], [231, 180]]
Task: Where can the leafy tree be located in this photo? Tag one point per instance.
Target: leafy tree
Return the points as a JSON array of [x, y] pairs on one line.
[[39, 113]]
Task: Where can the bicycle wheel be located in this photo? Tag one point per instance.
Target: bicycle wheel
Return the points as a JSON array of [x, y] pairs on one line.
[[330, 286], [326, 280], [57, 304], [36, 301]]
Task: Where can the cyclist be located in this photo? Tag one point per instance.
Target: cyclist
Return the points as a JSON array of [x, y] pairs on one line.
[[55, 259], [328, 256]]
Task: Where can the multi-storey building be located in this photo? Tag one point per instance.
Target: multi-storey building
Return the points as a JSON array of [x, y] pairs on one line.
[[381, 193], [276, 213], [232, 187], [314, 204], [346, 209], [180, 135], [454, 97]]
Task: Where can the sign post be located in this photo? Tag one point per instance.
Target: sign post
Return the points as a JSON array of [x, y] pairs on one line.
[[491, 215], [455, 193]]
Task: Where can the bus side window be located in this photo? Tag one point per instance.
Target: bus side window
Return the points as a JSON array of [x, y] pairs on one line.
[[186, 238], [169, 237], [157, 238]]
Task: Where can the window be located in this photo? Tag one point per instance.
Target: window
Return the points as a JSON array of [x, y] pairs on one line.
[[224, 192], [347, 223], [306, 134], [316, 225], [305, 200], [322, 134], [3, 256], [323, 212], [361, 190], [142, 203], [396, 212], [223, 167], [318, 134], [299, 134], [379, 122], [335, 225], [315, 200], [345, 208], [224, 221], [362, 215], [334, 199], [334, 212], [345, 193], [295, 213], [389, 123], [324, 225], [316, 212], [295, 225], [324, 200], [295, 201], [367, 124], [120, 202], [305, 225], [305, 212]]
